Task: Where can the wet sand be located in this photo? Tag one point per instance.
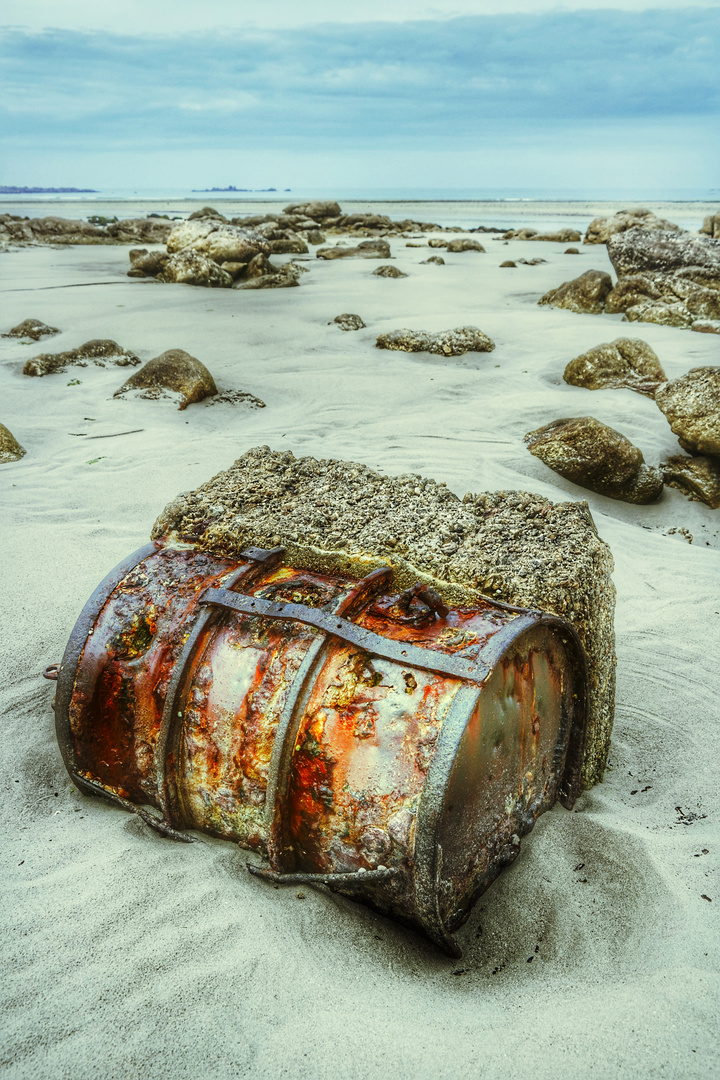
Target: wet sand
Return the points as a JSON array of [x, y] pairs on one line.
[[126, 955]]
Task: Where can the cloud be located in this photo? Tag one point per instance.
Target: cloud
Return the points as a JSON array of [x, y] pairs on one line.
[[449, 82]]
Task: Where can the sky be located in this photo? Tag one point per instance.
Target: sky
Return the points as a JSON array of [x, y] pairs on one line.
[[461, 94]]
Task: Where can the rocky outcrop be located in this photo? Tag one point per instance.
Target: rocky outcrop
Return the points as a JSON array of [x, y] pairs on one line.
[[389, 271], [600, 230], [349, 322], [585, 294], [697, 477], [691, 405], [189, 267], [10, 448], [217, 241], [100, 351], [711, 226], [57, 230], [175, 374], [342, 516], [597, 457], [446, 343], [33, 329], [626, 363], [561, 236], [368, 249], [464, 245]]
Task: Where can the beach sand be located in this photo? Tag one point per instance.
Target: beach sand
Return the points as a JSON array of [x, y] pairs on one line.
[[126, 955]]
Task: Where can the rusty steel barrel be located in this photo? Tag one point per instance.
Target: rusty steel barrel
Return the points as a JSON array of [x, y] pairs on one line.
[[382, 744]]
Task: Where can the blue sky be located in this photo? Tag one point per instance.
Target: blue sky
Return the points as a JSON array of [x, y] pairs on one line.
[[459, 97]]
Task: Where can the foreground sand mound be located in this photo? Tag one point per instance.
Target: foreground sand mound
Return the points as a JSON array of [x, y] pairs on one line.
[[336, 515]]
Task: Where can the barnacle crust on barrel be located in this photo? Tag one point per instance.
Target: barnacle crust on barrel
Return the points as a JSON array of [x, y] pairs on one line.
[[343, 517]]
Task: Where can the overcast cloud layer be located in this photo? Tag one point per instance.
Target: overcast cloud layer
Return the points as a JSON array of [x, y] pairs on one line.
[[375, 86]]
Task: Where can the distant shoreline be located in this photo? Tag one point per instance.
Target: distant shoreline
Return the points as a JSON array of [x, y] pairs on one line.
[[9, 190]]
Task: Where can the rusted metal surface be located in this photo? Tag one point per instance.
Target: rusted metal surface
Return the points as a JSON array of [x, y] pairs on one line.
[[387, 746]]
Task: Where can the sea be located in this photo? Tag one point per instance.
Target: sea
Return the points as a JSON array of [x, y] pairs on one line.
[[463, 208]]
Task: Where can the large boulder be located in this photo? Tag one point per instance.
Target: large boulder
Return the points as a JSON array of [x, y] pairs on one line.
[[345, 517], [691, 405], [218, 241], [189, 267], [595, 456], [174, 374], [317, 210], [10, 448], [446, 343], [697, 477], [626, 363], [99, 351], [32, 328], [638, 251], [368, 249], [585, 294], [600, 230]]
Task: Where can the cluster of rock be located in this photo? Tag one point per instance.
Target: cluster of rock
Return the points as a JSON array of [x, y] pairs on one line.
[[446, 343], [599, 458], [667, 277], [56, 230], [215, 254], [344, 517], [367, 249], [561, 236]]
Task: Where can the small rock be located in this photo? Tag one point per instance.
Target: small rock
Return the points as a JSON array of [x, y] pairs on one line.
[[10, 448], [315, 237], [584, 294], [508, 263], [691, 405], [286, 277], [531, 262], [99, 352], [595, 456], [571, 251], [698, 477], [176, 371], [446, 343], [349, 322], [464, 245], [147, 263], [32, 328], [368, 249], [259, 266], [389, 271], [626, 363], [434, 260]]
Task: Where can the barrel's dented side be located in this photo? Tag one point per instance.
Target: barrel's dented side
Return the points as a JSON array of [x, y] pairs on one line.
[[389, 742]]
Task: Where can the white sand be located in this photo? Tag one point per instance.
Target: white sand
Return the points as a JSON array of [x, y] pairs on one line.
[[128, 956]]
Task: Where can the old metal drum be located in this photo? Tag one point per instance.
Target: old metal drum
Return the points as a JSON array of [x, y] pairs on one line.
[[382, 744]]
